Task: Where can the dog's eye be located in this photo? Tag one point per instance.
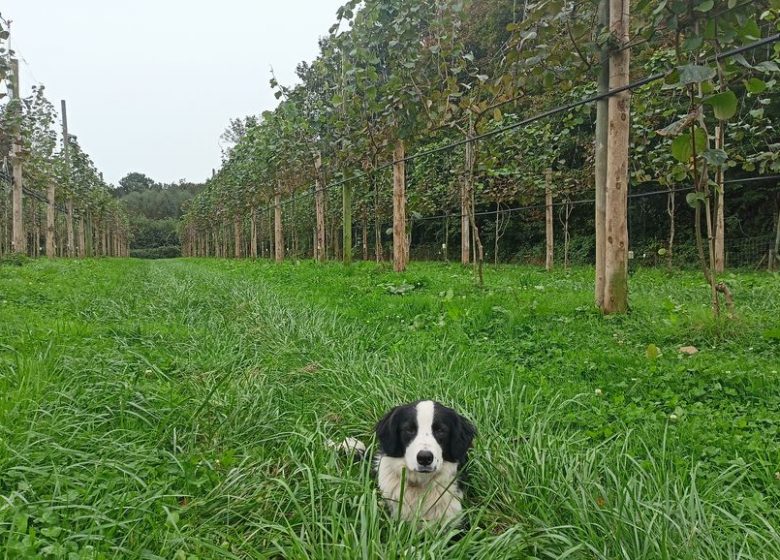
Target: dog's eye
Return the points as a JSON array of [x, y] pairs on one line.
[[440, 430], [408, 430]]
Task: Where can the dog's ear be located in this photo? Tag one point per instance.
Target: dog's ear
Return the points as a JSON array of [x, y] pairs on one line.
[[387, 434], [462, 435]]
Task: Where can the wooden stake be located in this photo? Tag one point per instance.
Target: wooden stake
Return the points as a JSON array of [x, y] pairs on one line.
[[319, 203], [253, 234], [82, 239], [399, 207], [602, 129], [70, 247], [548, 205], [50, 217], [278, 231], [616, 253], [237, 236], [365, 236], [18, 240], [720, 219], [347, 222], [465, 226]]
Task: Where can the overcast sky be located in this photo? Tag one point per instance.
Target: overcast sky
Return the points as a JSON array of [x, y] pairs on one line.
[[151, 84]]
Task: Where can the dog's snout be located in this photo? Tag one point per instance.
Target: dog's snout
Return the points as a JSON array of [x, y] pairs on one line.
[[425, 458]]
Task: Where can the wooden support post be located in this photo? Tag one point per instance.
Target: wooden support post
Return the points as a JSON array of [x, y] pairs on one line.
[[70, 246], [50, 217], [253, 233], [399, 207], [18, 240], [548, 220], [365, 235], [616, 253], [278, 231], [320, 247], [602, 130], [720, 211], [237, 236], [465, 226], [82, 238], [347, 222]]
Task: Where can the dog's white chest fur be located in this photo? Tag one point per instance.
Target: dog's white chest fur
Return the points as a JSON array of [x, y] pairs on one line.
[[426, 496]]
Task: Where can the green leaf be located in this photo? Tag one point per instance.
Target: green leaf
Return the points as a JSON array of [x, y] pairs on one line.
[[652, 352], [51, 532], [681, 148], [694, 199], [754, 85], [660, 7], [692, 74], [768, 66], [705, 6], [750, 31], [692, 44], [724, 104], [716, 157]]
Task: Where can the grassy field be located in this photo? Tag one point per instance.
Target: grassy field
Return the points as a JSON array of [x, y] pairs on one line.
[[178, 409]]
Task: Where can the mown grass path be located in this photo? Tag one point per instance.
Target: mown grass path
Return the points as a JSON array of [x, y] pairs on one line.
[[178, 409]]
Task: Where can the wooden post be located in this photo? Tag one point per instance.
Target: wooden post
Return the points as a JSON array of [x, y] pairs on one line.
[[720, 217], [378, 253], [18, 239], [602, 129], [399, 207], [90, 246], [70, 246], [82, 238], [319, 202], [35, 237], [278, 232], [465, 230], [548, 220], [253, 233], [616, 253], [50, 217], [346, 190], [365, 235], [237, 236]]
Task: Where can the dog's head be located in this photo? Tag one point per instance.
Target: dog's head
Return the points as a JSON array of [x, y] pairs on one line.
[[425, 434]]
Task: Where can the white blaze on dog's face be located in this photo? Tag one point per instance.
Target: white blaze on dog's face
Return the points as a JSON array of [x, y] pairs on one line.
[[424, 453], [426, 435]]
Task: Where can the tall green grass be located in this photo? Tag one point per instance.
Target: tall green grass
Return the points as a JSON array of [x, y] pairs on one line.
[[179, 409]]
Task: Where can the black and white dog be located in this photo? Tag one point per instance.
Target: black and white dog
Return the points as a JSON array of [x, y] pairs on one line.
[[423, 447]]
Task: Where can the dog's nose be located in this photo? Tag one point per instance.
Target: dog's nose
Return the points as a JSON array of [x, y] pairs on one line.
[[425, 458]]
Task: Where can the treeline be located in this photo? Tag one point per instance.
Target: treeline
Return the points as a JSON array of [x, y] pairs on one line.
[[336, 168], [154, 209]]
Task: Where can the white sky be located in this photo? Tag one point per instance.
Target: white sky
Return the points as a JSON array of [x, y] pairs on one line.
[[151, 84]]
